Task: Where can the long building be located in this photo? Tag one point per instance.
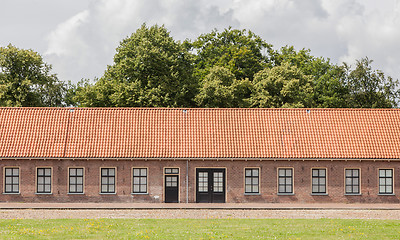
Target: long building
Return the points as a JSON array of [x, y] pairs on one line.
[[199, 155]]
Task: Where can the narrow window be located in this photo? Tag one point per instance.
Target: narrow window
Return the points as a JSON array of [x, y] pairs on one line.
[[251, 180], [203, 181], [140, 180], [76, 180], [352, 181], [218, 182], [108, 180], [319, 181], [43, 180], [385, 181], [11, 182], [285, 180]]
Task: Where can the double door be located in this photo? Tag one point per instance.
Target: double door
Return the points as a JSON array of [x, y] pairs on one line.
[[210, 185]]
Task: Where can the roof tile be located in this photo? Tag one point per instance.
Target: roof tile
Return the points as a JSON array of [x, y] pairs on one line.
[[199, 133]]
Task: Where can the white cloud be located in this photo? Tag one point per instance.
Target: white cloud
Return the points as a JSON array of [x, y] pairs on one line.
[[375, 33], [343, 30], [66, 37], [25, 23], [82, 46]]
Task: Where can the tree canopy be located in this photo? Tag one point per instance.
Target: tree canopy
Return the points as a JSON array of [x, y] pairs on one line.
[[370, 88], [150, 69], [282, 86], [26, 80], [221, 89], [240, 51], [229, 68]]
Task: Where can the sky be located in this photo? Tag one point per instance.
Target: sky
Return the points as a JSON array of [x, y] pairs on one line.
[[79, 37]]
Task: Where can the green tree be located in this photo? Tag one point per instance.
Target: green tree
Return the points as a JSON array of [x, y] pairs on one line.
[[370, 88], [329, 86], [220, 89], [26, 81], [330, 89], [282, 86], [240, 51], [85, 94], [150, 69]]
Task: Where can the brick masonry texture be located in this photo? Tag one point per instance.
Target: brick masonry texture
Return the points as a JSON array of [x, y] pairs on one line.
[[234, 181]]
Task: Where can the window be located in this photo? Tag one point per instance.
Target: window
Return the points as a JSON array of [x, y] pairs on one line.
[[203, 182], [140, 180], [251, 180], [319, 181], [75, 180], [43, 180], [218, 182], [11, 181], [172, 171], [171, 181], [108, 180], [352, 181], [385, 181], [285, 180]]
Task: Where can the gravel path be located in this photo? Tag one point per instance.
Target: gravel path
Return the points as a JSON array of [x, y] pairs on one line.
[[198, 214]]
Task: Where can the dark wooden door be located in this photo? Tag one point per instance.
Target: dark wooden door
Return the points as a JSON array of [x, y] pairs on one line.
[[210, 185], [171, 188]]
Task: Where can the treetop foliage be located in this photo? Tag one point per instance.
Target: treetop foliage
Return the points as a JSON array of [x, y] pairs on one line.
[[26, 81], [150, 69], [240, 51], [229, 68]]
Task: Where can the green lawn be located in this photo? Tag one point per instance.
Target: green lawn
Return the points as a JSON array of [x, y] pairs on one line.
[[199, 229]]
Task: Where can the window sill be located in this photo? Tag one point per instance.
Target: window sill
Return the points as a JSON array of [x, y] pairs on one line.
[[352, 194], [252, 194], [40, 193], [76, 193], [285, 194], [105, 193], [140, 193], [386, 194], [11, 193], [319, 194]]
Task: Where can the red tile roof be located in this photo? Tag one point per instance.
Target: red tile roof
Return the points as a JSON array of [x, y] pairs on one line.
[[199, 133]]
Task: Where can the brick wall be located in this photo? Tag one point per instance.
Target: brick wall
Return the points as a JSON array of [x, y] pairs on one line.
[[234, 181]]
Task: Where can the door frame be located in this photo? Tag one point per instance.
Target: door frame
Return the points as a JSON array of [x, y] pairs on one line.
[[179, 183], [225, 181]]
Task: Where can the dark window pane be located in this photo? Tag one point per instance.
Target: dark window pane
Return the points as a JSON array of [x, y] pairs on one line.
[[319, 181], [251, 180]]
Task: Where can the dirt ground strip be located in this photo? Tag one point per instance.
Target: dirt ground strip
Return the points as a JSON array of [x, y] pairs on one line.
[[198, 214]]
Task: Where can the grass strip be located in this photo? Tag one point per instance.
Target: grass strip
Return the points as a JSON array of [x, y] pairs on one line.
[[199, 229]]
